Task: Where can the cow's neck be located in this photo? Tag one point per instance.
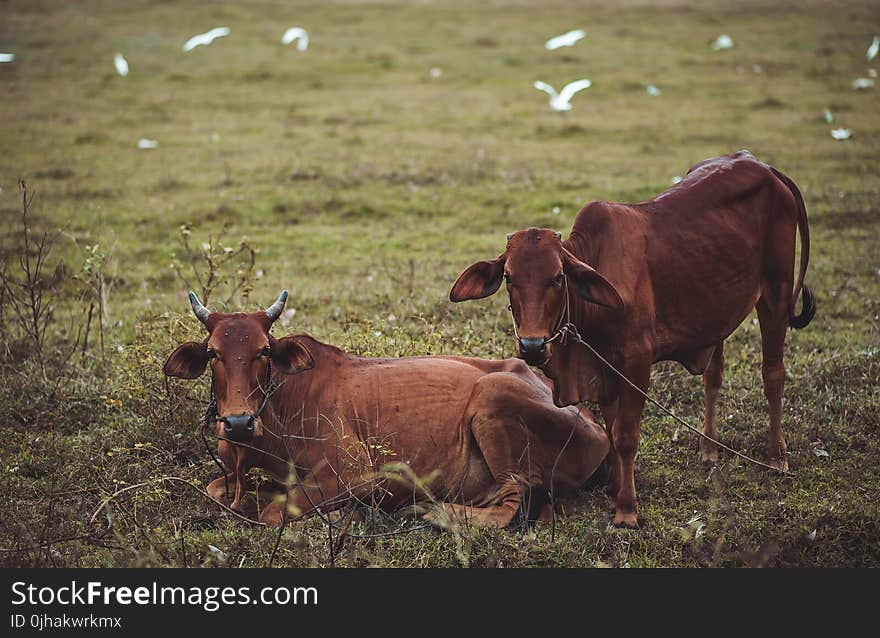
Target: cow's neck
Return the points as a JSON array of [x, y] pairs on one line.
[[577, 368], [590, 319], [292, 415]]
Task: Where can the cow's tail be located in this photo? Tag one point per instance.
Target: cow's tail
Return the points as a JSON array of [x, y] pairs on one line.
[[808, 305]]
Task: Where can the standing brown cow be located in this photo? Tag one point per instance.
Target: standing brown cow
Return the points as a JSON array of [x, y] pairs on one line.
[[485, 432], [667, 279]]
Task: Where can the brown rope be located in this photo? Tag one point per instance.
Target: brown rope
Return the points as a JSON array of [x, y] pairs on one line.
[[572, 331]]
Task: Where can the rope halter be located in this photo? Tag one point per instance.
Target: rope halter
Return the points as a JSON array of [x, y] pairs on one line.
[[562, 328]]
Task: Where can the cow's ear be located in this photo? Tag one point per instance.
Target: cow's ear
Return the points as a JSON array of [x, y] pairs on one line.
[[291, 355], [479, 280], [188, 361], [589, 284]]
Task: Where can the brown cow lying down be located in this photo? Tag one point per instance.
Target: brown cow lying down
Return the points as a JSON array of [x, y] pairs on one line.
[[668, 279], [485, 432]]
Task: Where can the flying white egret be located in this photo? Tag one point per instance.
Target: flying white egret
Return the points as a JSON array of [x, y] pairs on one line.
[[562, 101], [287, 316], [7, 57], [121, 64], [565, 40], [653, 91], [296, 33], [841, 133], [873, 49], [723, 41], [205, 38], [862, 83], [145, 143]]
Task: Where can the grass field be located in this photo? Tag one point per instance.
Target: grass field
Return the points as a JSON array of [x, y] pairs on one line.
[[365, 185]]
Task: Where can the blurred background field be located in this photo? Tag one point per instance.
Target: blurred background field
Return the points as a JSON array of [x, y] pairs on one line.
[[365, 173]]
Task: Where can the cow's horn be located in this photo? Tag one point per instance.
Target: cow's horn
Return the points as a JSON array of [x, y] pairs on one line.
[[274, 311], [558, 235], [200, 311]]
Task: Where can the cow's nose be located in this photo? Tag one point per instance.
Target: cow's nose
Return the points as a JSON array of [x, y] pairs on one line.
[[239, 427], [533, 351]]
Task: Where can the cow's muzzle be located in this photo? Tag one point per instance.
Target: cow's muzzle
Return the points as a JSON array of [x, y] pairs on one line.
[[239, 427], [533, 350]]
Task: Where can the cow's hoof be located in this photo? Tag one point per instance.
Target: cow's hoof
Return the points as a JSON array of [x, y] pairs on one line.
[[533, 505], [779, 464], [442, 517], [548, 514], [217, 490], [626, 520], [271, 515], [709, 457], [219, 497]]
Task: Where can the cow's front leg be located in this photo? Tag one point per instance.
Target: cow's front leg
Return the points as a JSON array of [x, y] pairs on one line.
[[222, 489], [316, 491], [234, 491], [609, 413], [625, 435], [232, 488]]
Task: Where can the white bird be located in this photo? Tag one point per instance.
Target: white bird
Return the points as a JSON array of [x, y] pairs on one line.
[[565, 40], [841, 133], [7, 57], [145, 143], [121, 64], [205, 38], [287, 316], [863, 83], [561, 101], [874, 48], [653, 91], [219, 553], [722, 42], [296, 33], [829, 118]]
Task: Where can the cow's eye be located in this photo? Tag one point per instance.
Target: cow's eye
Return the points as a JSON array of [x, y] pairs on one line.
[[265, 352], [211, 354], [507, 279], [557, 281]]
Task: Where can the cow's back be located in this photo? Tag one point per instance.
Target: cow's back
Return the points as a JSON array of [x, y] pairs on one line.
[[410, 409], [690, 259]]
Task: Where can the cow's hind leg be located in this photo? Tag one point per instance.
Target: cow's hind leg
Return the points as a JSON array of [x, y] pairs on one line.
[[505, 446], [712, 384], [773, 317], [528, 445]]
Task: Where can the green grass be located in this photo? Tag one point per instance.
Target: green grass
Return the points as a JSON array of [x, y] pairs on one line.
[[366, 186]]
